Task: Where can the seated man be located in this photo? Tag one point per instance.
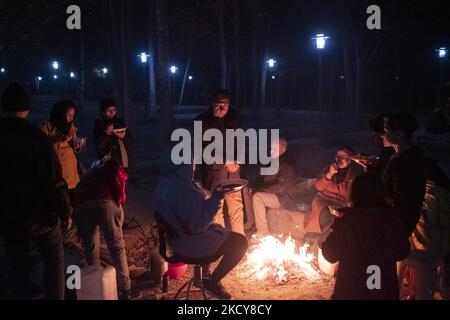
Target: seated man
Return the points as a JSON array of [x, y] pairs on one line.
[[184, 207], [274, 191], [333, 189]]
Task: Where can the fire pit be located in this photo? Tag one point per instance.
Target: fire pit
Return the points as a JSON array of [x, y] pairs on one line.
[[272, 259]]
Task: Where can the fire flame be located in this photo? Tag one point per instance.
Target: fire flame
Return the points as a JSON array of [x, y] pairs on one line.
[[271, 258]]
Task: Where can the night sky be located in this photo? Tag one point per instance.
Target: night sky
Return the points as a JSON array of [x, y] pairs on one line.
[[403, 73]]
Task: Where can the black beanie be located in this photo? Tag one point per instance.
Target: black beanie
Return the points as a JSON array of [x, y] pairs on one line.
[[105, 103], [15, 98]]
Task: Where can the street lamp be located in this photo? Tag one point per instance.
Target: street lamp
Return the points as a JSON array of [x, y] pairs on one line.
[[191, 78], [321, 41], [442, 53], [2, 70], [55, 65], [72, 75], [38, 80], [271, 63], [173, 69], [105, 71], [55, 77], [144, 57]]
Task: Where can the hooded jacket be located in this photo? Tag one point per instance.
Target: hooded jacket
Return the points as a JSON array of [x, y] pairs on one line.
[[183, 206], [366, 237]]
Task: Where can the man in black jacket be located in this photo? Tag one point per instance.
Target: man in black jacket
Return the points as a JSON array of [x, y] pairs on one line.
[[111, 135], [275, 191], [221, 117], [404, 174], [34, 196]]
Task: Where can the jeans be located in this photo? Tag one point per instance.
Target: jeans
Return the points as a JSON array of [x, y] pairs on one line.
[[234, 219], [232, 251], [262, 201], [93, 216], [20, 265]]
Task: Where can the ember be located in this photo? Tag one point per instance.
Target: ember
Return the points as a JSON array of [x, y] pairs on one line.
[[271, 259]]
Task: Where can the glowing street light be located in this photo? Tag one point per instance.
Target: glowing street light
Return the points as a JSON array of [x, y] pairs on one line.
[[271, 63], [39, 78], [321, 41], [273, 77], [105, 70], [190, 77], [55, 65], [55, 77], [2, 70], [72, 75], [144, 57], [442, 52], [173, 69]]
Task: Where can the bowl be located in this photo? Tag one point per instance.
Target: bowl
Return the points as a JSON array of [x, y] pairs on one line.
[[176, 270]]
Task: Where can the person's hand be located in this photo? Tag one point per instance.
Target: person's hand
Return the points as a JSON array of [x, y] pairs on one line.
[[232, 167], [332, 171], [68, 223], [109, 130]]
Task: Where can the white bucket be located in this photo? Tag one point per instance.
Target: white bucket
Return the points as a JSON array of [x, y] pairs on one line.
[[325, 266], [98, 284]]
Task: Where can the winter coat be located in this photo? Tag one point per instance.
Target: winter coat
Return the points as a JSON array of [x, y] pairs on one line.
[[109, 144], [366, 237], [213, 175], [282, 184], [334, 192], [432, 232], [64, 149], [184, 207], [33, 191], [405, 180], [106, 183]]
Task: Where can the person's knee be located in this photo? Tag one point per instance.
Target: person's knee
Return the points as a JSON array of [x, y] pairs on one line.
[[240, 242]]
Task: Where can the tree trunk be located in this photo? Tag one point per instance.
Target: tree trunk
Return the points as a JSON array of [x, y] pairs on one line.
[[237, 70], [162, 38], [186, 72], [255, 60], [82, 75], [151, 66], [222, 46], [123, 62]]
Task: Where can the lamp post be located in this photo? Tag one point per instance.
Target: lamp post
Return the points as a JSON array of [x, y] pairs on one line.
[[442, 54], [143, 57], [321, 41], [38, 80], [268, 64]]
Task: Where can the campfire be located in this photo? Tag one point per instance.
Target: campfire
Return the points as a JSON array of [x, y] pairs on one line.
[[274, 260]]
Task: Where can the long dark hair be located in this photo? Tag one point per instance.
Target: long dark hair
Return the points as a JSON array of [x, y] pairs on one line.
[[58, 115], [368, 191]]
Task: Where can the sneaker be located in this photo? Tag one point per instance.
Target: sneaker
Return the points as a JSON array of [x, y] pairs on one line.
[[129, 295], [216, 290]]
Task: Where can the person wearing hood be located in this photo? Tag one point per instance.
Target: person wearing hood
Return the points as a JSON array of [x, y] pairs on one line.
[[404, 174], [62, 132], [367, 241], [184, 207], [111, 134]]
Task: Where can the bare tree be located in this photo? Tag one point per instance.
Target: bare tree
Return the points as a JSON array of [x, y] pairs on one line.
[[162, 39]]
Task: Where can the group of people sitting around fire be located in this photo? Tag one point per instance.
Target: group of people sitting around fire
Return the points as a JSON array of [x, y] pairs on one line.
[[381, 210]]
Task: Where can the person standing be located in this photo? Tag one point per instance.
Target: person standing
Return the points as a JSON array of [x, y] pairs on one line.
[[220, 116], [34, 199], [62, 132], [112, 137]]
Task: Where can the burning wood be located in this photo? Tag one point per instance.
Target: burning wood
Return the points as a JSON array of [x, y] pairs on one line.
[[271, 259]]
